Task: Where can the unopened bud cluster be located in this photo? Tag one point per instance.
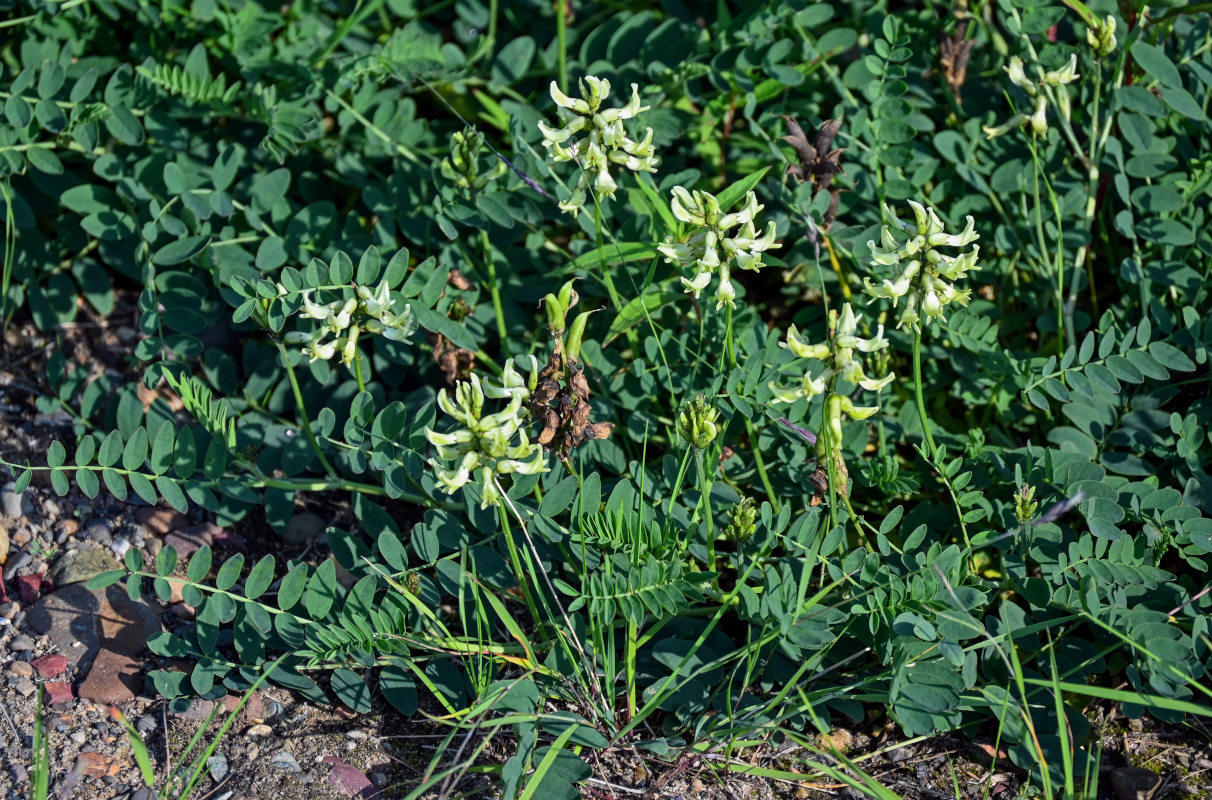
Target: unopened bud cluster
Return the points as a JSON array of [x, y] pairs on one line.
[[742, 520], [343, 321], [1025, 504], [924, 275], [712, 246], [605, 141], [483, 446], [1038, 119], [462, 168], [698, 423], [1101, 37]]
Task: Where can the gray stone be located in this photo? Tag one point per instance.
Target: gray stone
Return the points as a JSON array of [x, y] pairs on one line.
[[146, 724], [13, 505], [15, 563], [79, 738], [100, 531], [78, 566], [285, 762], [217, 764], [1134, 783], [304, 529], [24, 687], [9, 610], [76, 614], [142, 794], [120, 546], [20, 642]]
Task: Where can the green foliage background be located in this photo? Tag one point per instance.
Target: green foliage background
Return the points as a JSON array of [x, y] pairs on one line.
[[195, 155]]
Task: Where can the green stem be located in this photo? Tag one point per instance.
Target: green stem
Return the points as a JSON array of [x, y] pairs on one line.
[[561, 44], [493, 288], [917, 391], [758, 462], [358, 372], [306, 426]]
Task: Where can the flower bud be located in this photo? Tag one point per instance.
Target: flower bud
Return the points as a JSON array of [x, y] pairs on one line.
[[742, 520], [697, 423], [572, 342], [1101, 38]]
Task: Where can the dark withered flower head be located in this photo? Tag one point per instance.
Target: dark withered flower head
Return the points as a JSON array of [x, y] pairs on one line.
[[819, 160]]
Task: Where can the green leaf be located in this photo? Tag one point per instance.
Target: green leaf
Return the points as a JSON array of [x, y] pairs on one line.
[[162, 449], [322, 590], [166, 560], [351, 690], [185, 455], [143, 487], [172, 494], [180, 251], [229, 573], [113, 482], [59, 482], [612, 254], [438, 323], [737, 190], [259, 578], [1153, 60], [23, 481], [106, 579], [199, 565], [135, 452], [56, 455], [292, 587], [111, 450], [641, 308]]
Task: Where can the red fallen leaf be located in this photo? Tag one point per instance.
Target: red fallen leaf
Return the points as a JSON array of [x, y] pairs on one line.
[[58, 692], [50, 666], [350, 780], [97, 765], [29, 587]]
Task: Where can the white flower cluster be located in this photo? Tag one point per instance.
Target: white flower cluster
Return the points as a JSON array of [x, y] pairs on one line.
[[926, 277], [463, 167], [1038, 120], [371, 311], [711, 246], [842, 362], [605, 142], [486, 445]]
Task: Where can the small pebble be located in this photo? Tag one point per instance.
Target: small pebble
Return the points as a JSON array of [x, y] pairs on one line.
[[21, 669], [79, 738], [145, 724], [99, 530], [217, 764], [120, 546], [258, 731], [9, 610], [21, 642], [24, 687], [351, 746], [22, 537], [356, 734], [272, 709], [15, 563], [285, 762], [14, 505], [379, 779]]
